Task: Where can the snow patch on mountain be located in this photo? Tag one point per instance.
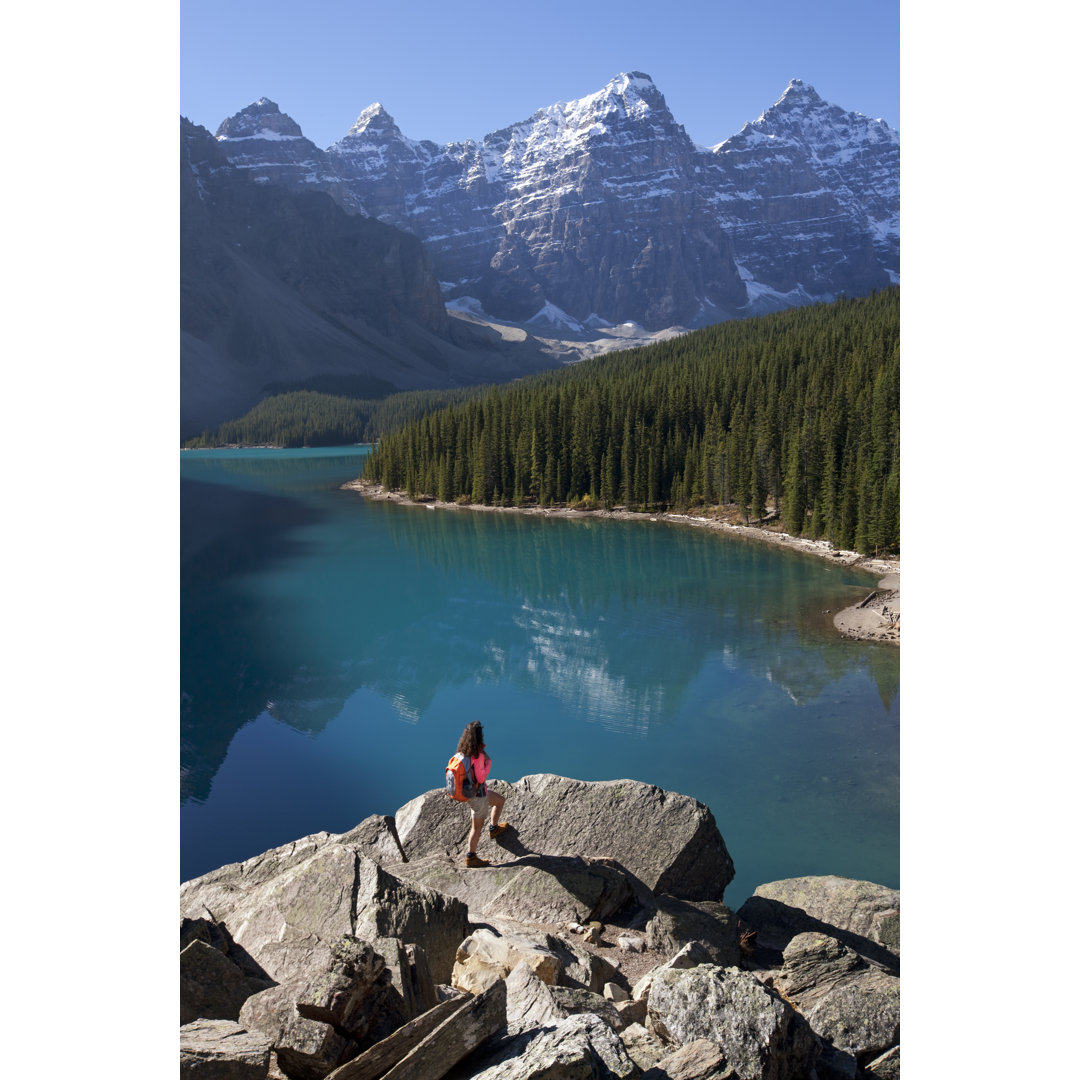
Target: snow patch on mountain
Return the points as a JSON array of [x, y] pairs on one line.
[[555, 317]]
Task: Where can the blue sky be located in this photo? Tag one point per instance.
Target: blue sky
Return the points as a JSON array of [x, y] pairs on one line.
[[449, 72]]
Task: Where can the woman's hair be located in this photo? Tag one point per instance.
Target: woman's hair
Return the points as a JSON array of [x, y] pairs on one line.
[[472, 738]]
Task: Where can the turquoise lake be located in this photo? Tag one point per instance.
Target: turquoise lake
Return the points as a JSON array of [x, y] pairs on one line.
[[332, 650]]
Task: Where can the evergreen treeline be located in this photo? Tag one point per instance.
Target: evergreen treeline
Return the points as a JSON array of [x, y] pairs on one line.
[[797, 411], [313, 418]]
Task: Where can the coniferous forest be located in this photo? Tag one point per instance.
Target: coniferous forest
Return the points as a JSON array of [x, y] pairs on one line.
[[297, 418], [796, 413]]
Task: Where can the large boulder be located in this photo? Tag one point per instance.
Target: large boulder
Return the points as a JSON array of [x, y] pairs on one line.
[[813, 965], [886, 1067], [678, 922], [384, 1055], [212, 987], [580, 967], [218, 937], [529, 889], [862, 915], [285, 908], [762, 1036], [861, 1017], [689, 956], [574, 1000], [319, 1021], [388, 906], [853, 1006], [485, 957], [669, 842], [467, 1029], [216, 894], [580, 1047], [644, 1048], [222, 1050], [699, 1060], [530, 1002], [288, 910], [305, 1049]]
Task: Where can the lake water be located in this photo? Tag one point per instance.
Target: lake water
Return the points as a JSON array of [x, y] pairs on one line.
[[332, 650]]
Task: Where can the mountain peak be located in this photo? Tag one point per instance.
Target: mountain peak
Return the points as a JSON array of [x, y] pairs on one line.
[[797, 90], [261, 119], [636, 80], [375, 120]]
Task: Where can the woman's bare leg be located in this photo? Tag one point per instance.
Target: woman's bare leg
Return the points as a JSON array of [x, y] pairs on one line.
[[497, 803], [474, 836]]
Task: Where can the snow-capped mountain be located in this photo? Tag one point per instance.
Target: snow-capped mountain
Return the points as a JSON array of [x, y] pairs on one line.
[[604, 210]]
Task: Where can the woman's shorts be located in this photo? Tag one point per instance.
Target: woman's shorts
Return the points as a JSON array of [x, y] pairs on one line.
[[479, 806]]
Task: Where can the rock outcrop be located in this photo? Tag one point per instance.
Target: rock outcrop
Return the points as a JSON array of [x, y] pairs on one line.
[[862, 915], [668, 842], [320, 958]]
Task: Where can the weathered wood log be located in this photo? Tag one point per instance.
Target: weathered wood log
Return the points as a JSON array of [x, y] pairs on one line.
[[381, 1057], [455, 1038], [868, 599]]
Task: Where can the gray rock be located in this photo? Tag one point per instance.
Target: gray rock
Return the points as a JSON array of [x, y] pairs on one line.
[[886, 1067], [573, 1001], [852, 1006], [813, 965], [581, 1047], [862, 915], [212, 987], [644, 1048], [285, 907], [699, 1060], [531, 888], [376, 837], [222, 1050], [485, 957], [355, 995], [690, 955], [860, 1017], [384, 1055], [305, 1049], [631, 1012], [320, 1021], [424, 993], [217, 936], [581, 967], [388, 906], [530, 1002], [212, 933], [763, 1037], [216, 894], [669, 842], [455, 1038], [678, 922]]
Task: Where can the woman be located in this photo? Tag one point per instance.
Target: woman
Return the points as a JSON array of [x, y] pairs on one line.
[[471, 744]]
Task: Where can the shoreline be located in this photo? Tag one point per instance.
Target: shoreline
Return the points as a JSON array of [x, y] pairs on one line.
[[874, 618]]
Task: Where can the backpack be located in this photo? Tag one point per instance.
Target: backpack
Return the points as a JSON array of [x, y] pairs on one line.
[[460, 784]]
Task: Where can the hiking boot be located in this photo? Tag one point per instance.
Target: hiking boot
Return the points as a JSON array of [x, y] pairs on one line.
[[497, 830], [474, 861]]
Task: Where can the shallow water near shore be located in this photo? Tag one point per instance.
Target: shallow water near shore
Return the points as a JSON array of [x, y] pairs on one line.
[[333, 648]]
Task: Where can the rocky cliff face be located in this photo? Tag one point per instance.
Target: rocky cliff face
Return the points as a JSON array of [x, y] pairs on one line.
[[322, 958], [602, 210], [279, 284]]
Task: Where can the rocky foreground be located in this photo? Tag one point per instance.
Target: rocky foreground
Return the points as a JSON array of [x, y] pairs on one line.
[[597, 944]]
